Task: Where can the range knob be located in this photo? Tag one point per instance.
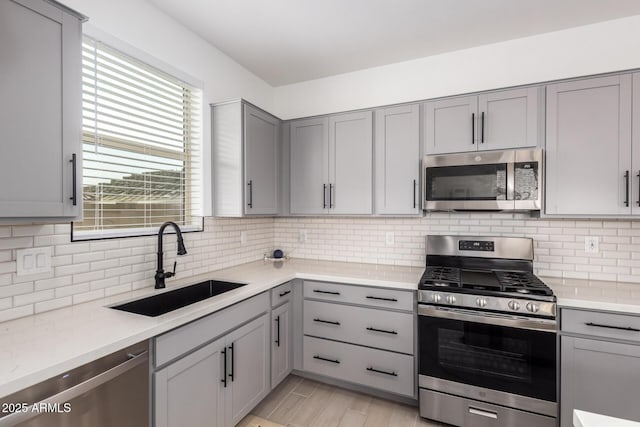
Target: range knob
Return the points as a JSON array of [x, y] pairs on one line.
[[514, 305], [533, 307], [451, 299], [481, 302], [436, 298]]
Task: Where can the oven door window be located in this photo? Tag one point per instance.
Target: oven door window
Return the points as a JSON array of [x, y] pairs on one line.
[[517, 361], [475, 182]]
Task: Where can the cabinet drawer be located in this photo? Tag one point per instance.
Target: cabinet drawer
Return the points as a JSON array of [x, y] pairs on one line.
[[281, 294], [391, 372], [364, 295], [598, 324], [388, 330]]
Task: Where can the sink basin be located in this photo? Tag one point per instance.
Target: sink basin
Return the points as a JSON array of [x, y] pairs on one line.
[[156, 305]]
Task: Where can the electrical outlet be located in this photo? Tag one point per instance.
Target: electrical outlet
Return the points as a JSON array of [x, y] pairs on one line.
[[591, 245], [243, 237], [302, 236], [389, 238], [33, 261]]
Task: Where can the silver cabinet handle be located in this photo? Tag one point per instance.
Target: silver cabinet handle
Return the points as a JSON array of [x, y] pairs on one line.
[[77, 390], [483, 413]]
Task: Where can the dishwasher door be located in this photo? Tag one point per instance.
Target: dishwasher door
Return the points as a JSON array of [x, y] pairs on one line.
[[110, 392]]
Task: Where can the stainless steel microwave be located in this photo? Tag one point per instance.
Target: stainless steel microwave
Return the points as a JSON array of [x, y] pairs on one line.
[[505, 180]]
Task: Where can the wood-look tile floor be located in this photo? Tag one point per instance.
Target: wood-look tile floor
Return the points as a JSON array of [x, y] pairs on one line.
[[299, 402]]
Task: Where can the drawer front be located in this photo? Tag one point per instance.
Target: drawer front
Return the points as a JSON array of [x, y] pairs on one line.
[[391, 372], [363, 295], [470, 413], [598, 324], [388, 330], [281, 294]]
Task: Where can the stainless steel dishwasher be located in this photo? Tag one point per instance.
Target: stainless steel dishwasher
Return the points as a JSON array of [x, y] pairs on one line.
[[110, 392]]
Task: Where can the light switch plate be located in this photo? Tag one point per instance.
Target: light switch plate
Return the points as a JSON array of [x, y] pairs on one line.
[[33, 261], [243, 237], [390, 238], [302, 236]]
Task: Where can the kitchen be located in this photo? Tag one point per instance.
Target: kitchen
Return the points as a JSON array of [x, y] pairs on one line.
[[584, 237]]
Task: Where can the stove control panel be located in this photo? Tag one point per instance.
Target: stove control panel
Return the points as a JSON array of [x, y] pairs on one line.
[[476, 245], [489, 303]]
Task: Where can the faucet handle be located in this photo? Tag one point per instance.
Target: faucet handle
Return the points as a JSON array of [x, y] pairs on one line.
[[169, 273]]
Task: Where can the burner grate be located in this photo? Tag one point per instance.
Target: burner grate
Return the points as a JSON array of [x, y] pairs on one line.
[[522, 282], [441, 276]]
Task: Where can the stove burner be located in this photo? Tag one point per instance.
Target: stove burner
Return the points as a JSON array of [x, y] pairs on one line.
[[523, 291], [441, 276]]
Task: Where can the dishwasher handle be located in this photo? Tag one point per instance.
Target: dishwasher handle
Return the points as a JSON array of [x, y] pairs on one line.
[[77, 390]]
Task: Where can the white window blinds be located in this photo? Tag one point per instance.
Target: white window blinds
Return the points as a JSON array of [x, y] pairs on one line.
[[141, 147]]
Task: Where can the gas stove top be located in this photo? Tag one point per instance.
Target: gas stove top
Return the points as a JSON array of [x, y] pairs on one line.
[[491, 273]]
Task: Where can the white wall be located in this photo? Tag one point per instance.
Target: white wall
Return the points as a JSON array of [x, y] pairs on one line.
[[591, 49], [142, 26]]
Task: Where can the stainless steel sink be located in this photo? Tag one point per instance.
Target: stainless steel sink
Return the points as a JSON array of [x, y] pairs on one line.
[[156, 305]]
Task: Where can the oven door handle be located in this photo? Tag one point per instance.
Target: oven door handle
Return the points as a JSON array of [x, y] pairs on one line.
[[489, 318]]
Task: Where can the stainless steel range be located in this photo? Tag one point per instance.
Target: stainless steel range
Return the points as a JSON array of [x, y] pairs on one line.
[[487, 334]]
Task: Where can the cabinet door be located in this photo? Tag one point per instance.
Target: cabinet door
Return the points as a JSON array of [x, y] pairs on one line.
[[40, 65], [248, 373], [309, 157], [397, 157], [599, 376], [189, 392], [508, 119], [588, 152], [450, 125], [281, 360], [350, 163], [261, 135], [635, 150]]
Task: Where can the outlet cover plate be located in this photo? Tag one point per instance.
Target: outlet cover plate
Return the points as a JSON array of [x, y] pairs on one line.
[[591, 244]]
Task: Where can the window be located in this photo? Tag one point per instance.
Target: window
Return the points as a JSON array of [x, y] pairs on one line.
[[141, 147]]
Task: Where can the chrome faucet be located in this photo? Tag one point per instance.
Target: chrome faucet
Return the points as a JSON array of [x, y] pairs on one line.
[[160, 273]]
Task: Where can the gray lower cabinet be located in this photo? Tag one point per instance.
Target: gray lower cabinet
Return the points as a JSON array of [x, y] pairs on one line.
[[40, 118], [600, 364], [331, 169], [371, 345], [189, 392], [489, 121], [246, 160], [589, 147], [397, 161], [281, 343], [213, 371]]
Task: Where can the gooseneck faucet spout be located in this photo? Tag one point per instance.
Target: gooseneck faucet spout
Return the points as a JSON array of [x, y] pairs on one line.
[[160, 273]]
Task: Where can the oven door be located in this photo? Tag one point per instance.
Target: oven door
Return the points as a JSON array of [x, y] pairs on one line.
[[475, 181], [491, 351]]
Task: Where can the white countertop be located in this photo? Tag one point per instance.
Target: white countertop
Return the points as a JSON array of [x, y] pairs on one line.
[[38, 347], [589, 419], [596, 295]]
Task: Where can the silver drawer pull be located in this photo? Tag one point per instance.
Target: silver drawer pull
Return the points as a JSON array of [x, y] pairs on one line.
[[483, 413], [382, 299], [318, 291], [336, 361], [378, 371], [382, 330], [620, 328], [330, 322]]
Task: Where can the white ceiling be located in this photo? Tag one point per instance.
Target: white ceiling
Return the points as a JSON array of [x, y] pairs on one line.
[[288, 41]]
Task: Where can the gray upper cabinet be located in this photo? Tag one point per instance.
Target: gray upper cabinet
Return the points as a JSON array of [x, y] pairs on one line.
[[588, 147], [40, 118], [351, 164], [331, 165], [449, 125], [246, 152], [309, 165], [489, 121], [508, 119], [397, 161]]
